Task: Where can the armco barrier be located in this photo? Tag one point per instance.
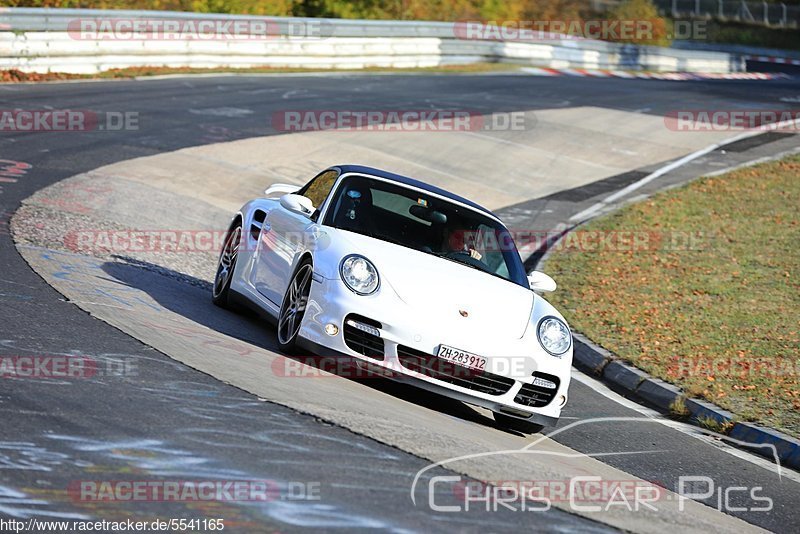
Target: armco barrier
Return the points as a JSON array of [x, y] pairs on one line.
[[39, 40]]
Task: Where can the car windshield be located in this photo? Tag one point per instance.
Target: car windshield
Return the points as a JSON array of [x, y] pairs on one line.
[[426, 223]]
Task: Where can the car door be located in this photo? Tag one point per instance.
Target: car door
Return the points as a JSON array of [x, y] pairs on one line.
[[284, 236]]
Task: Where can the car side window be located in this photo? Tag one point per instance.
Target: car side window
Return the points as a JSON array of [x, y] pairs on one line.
[[489, 247], [320, 187]]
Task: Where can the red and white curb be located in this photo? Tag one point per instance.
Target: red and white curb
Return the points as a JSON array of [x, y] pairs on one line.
[[676, 76], [773, 59]]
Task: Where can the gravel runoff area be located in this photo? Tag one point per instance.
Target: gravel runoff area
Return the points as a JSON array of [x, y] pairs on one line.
[[58, 218]]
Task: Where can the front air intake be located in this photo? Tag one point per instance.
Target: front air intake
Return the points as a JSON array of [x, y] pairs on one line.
[[362, 335], [540, 393]]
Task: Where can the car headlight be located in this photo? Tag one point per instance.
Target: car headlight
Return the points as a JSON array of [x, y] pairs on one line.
[[359, 274], [554, 335]]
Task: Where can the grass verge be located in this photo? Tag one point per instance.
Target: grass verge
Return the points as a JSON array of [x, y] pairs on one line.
[[704, 292], [15, 75]]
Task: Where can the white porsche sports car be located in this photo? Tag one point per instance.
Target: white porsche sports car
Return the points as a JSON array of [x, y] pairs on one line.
[[406, 277]]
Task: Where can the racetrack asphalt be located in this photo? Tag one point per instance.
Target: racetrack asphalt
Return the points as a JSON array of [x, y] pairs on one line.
[[179, 423]]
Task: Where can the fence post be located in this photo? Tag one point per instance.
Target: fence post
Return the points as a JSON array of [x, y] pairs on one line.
[[674, 8], [720, 9], [746, 14], [697, 8], [785, 16], [766, 13]]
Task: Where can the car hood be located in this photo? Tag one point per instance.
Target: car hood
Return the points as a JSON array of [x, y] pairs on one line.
[[440, 289]]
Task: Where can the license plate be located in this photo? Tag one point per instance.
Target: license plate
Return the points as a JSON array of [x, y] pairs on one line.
[[460, 357]]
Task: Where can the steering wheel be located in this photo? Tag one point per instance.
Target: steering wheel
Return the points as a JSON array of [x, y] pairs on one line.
[[465, 257]]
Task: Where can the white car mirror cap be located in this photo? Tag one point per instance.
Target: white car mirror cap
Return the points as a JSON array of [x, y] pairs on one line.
[[541, 282], [298, 204], [279, 189]]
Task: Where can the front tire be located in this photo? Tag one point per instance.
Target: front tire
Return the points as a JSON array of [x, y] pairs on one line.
[[294, 306], [516, 424], [220, 293]]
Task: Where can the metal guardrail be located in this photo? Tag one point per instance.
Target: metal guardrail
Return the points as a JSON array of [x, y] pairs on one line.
[[46, 19], [40, 40]]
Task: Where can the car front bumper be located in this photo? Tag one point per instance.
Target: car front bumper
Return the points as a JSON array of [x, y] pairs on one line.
[[331, 302]]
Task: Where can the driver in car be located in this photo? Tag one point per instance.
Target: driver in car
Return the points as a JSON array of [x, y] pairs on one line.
[[461, 241]]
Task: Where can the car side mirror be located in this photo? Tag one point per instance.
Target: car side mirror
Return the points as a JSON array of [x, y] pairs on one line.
[[280, 189], [298, 204], [541, 282]]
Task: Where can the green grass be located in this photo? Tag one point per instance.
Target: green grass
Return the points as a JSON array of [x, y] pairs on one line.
[[719, 318]]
